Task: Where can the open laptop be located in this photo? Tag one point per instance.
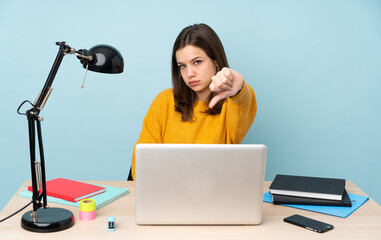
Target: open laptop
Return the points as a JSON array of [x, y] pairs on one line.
[[199, 184]]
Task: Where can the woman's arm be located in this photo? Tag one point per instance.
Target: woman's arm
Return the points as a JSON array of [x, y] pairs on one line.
[[240, 114]]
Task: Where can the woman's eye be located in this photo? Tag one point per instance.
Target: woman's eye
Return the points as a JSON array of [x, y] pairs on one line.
[[197, 62], [181, 66]]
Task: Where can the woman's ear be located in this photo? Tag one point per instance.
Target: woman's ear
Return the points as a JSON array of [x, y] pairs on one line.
[[217, 68]]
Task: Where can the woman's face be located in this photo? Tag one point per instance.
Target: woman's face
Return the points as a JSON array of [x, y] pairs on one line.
[[196, 69]]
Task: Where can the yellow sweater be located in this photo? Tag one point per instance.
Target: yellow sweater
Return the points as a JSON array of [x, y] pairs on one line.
[[163, 124]]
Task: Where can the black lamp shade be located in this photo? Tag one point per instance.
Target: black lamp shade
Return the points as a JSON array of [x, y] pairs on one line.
[[107, 59]]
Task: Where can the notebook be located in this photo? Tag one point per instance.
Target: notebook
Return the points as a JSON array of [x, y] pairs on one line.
[[202, 184], [284, 199], [310, 187], [70, 190]]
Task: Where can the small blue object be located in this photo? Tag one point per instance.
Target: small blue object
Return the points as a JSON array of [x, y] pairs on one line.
[[111, 223]]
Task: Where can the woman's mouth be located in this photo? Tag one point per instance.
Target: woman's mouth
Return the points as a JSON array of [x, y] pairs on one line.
[[194, 83]]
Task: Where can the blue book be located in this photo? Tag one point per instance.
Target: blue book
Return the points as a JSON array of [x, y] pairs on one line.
[[111, 194], [357, 201]]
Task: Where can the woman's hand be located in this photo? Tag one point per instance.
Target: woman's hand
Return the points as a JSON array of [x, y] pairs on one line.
[[226, 83]]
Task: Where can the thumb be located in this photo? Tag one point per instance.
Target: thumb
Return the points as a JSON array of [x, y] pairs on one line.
[[215, 100]]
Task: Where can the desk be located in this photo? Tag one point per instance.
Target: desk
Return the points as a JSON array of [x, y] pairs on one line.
[[365, 223]]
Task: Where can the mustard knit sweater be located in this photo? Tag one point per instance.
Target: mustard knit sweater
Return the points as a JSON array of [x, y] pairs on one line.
[[163, 124]]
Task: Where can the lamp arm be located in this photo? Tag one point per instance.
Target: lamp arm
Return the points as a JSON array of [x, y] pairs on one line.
[[45, 92]]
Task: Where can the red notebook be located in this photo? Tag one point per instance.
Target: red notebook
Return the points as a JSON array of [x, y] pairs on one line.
[[70, 190]]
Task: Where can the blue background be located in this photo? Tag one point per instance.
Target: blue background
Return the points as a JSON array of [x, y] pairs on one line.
[[315, 67]]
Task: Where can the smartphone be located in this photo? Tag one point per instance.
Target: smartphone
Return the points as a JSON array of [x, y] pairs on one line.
[[308, 223]]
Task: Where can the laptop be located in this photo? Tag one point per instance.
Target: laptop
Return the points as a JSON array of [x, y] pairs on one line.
[[199, 184]]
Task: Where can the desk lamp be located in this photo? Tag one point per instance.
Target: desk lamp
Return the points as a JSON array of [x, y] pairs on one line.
[[100, 58]]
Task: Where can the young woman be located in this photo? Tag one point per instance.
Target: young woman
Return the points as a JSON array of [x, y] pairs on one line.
[[209, 103]]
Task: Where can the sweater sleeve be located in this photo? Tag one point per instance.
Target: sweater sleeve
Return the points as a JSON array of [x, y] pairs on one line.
[[241, 111], [152, 129]]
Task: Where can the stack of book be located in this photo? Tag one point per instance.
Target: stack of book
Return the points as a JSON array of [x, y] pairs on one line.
[[70, 192], [288, 189]]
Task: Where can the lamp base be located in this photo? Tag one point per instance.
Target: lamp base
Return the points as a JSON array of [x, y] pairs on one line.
[[49, 220]]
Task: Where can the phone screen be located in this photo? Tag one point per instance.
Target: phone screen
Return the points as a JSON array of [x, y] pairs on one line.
[[309, 223]]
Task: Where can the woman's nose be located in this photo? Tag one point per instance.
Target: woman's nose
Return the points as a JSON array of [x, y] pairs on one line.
[[191, 73]]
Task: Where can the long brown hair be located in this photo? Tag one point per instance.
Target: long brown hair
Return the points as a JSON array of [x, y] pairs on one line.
[[204, 37]]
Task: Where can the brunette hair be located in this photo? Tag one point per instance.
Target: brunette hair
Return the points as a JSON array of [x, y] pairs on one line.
[[204, 37]]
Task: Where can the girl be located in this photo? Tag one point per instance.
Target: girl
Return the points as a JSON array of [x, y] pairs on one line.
[[209, 102]]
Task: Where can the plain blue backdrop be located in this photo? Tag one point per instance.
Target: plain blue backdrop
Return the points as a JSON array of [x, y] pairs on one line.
[[315, 67]]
